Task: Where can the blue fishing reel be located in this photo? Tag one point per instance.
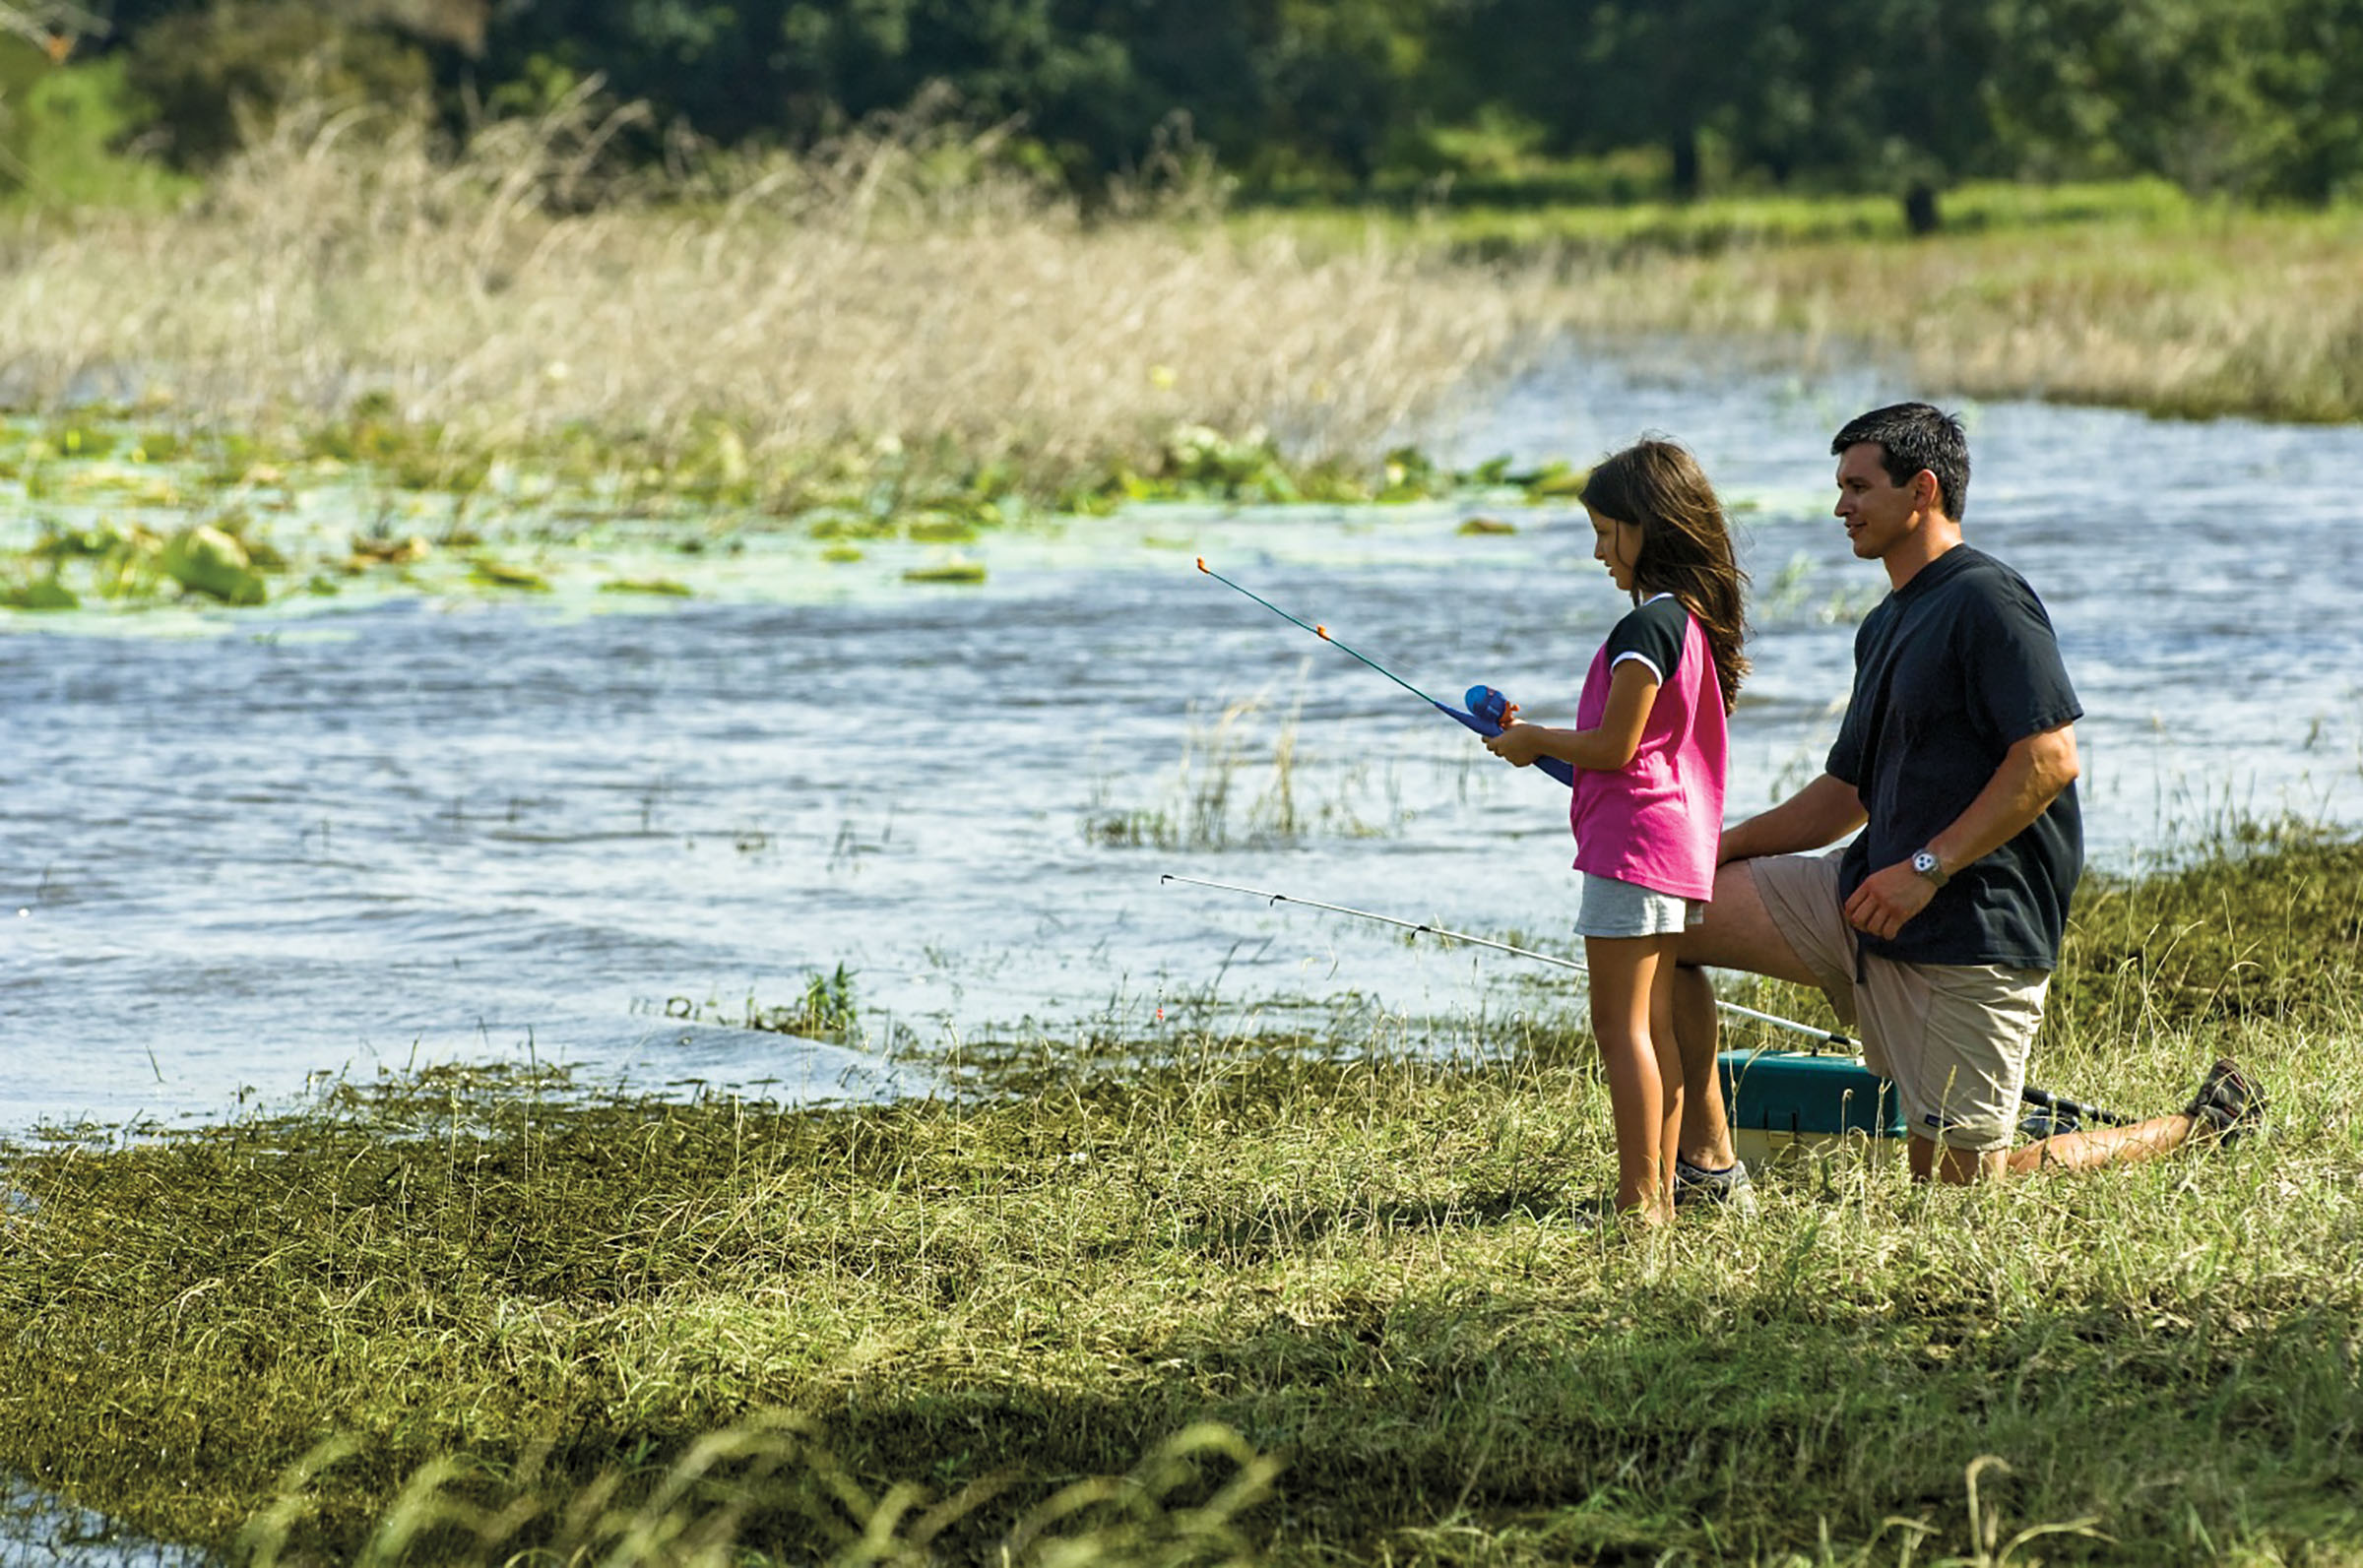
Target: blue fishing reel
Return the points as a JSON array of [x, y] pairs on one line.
[[1489, 714], [1490, 706]]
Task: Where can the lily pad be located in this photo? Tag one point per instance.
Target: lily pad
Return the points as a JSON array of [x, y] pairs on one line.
[[1556, 478], [960, 571], [1487, 525], [498, 574], [662, 585], [375, 551], [205, 560], [939, 529], [41, 594]]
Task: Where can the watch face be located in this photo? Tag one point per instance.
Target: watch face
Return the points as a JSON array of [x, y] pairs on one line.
[[1924, 863]]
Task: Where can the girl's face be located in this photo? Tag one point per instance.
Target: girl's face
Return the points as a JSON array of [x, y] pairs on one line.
[[1616, 545]]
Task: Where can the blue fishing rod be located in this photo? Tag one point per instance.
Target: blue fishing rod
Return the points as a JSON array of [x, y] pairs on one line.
[[1489, 710]]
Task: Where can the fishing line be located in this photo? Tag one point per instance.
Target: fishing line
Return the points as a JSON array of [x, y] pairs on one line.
[[1824, 1035], [1322, 632], [2058, 1105], [1489, 708]]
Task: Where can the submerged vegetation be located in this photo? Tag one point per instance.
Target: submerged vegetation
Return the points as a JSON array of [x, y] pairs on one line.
[[1218, 1294], [827, 1011], [1220, 798]]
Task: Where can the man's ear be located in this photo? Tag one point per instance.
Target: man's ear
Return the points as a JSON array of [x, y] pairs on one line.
[[1927, 494]]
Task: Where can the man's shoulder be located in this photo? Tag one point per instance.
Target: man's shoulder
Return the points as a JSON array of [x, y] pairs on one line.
[[1980, 586], [1974, 572]]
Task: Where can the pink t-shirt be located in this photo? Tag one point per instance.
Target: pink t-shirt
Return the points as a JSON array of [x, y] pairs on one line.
[[1656, 821]]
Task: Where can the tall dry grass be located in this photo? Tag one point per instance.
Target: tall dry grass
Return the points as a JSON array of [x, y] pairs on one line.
[[2216, 313], [905, 285], [898, 286]]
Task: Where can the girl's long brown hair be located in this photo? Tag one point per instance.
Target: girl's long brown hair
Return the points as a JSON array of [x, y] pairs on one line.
[[1685, 544]]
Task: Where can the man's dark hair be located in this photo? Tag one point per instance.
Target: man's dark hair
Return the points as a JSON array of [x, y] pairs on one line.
[[1912, 436]]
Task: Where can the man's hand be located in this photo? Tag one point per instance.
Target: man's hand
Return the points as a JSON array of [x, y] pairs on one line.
[[1887, 898], [1517, 744]]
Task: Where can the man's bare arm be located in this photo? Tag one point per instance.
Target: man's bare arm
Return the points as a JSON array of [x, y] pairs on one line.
[[1814, 817], [2032, 775]]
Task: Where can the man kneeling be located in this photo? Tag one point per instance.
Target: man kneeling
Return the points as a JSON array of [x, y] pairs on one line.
[[1937, 928]]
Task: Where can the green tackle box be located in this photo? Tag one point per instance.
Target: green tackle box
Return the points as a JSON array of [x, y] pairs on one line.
[[1779, 1101]]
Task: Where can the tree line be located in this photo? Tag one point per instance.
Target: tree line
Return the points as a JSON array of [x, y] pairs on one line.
[[2249, 98]]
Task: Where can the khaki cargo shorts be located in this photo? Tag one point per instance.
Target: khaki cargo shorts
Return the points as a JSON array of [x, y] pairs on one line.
[[1952, 1039]]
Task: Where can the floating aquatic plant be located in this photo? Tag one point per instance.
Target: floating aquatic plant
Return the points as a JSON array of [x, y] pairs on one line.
[[827, 1010], [499, 574], [952, 571]]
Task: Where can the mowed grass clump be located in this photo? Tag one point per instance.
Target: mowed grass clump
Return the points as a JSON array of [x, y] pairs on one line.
[[1311, 1300]]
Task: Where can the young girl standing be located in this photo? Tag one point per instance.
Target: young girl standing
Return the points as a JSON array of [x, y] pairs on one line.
[[1649, 750]]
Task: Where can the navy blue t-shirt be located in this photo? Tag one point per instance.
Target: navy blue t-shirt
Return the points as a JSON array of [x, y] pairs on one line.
[[1950, 672]]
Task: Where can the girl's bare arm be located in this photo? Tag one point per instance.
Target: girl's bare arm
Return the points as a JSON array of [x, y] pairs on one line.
[[1609, 747]]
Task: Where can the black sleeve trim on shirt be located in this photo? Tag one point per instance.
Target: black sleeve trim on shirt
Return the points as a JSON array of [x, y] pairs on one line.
[[1653, 633]]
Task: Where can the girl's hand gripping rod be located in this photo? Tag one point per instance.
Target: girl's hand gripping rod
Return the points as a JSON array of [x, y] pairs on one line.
[[1489, 711]]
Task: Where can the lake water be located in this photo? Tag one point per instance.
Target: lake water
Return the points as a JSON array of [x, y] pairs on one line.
[[242, 851]]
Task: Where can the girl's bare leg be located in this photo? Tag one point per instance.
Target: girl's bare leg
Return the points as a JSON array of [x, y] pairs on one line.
[[1625, 991], [1740, 935], [1666, 1045]]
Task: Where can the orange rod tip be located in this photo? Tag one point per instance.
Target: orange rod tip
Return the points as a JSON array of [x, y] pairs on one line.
[[1201, 563], [1321, 632]]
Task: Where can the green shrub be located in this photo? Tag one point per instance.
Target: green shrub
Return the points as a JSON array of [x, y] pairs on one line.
[[208, 75]]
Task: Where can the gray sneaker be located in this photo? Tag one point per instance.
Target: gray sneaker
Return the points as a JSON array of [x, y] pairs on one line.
[[2228, 1104], [1730, 1186]]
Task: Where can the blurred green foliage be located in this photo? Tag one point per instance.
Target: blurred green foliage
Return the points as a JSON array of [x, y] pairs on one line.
[[66, 133], [208, 75], [1616, 99]]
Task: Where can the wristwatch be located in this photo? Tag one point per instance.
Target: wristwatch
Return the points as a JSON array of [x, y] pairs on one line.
[[1925, 863]]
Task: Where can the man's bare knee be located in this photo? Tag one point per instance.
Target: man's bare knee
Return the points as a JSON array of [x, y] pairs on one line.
[[1739, 932]]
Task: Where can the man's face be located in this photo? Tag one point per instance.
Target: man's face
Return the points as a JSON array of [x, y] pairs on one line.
[[1879, 514]]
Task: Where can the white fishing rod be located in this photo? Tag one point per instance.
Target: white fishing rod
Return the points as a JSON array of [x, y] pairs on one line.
[[1824, 1035], [2058, 1104]]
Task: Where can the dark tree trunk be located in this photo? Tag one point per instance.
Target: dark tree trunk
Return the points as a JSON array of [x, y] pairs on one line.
[[1920, 214], [1684, 145]]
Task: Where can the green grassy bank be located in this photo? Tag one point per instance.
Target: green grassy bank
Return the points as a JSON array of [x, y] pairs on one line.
[[1217, 1295]]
